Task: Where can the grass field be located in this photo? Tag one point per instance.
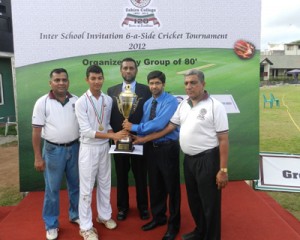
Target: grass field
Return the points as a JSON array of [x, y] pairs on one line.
[[280, 126], [225, 74], [280, 132]]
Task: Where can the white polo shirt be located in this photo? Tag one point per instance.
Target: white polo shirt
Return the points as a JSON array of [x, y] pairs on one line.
[[87, 117], [200, 124], [58, 121]]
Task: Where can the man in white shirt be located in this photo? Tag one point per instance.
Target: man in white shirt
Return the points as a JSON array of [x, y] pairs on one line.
[[54, 120]]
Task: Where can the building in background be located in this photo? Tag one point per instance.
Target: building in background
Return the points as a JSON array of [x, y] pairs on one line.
[[278, 60], [7, 89]]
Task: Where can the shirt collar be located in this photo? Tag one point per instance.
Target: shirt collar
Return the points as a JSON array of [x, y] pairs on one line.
[[205, 97], [89, 93], [52, 96], [160, 98]]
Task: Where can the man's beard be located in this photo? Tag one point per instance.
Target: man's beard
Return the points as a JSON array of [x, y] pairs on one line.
[[130, 80]]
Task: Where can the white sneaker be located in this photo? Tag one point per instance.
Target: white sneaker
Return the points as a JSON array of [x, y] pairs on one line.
[[77, 221], [52, 234], [90, 234], [109, 224]]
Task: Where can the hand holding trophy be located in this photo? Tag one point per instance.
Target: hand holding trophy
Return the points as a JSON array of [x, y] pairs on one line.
[[127, 103]]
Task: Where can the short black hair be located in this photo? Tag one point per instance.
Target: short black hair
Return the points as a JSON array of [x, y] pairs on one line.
[[128, 59], [94, 69], [58, 71], [157, 74]]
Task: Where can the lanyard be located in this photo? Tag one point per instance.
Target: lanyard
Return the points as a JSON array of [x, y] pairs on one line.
[[98, 115]]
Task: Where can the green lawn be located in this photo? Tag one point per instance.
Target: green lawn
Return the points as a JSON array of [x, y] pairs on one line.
[[280, 126], [280, 132]]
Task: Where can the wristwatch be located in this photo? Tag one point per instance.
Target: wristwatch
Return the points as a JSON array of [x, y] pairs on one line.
[[225, 170]]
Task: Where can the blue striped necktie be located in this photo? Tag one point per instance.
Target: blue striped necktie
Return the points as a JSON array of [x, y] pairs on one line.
[[153, 109]]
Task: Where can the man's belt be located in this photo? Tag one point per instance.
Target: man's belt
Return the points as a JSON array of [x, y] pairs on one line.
[[203, 153], [63, 144], [160, 144]]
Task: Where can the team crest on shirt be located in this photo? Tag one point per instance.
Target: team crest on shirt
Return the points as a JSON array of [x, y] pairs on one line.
[[202, 113]]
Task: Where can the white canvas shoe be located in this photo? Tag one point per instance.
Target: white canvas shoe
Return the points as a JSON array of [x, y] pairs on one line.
[[77, 221], [52, 234], [90, 234], [109, 224]]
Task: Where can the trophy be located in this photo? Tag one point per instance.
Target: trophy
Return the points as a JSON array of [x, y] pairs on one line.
[[127, 103]]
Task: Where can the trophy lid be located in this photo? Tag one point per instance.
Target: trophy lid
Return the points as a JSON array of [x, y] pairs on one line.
[[127, 92]]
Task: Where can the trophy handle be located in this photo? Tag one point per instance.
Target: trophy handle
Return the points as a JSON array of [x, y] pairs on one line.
[[119, 105], [134, 106]]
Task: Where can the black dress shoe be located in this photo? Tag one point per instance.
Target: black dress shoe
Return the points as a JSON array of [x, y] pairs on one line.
[[144, 214], [122, 214], [153, 224], [191, 236], [170, 235]]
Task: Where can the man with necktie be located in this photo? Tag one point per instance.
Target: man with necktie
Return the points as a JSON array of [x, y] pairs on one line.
[[162, 156], [125, 162]]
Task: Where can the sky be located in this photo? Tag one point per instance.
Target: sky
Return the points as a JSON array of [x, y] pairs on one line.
[[280, 21]]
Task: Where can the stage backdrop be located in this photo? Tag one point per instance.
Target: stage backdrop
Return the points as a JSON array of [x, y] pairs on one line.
[[222, 38]]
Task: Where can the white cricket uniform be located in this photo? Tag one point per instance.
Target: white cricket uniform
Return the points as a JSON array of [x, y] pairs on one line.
[[94, 160], [200, 124]]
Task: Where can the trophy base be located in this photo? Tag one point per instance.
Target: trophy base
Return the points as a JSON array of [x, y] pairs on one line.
[[124, 146]]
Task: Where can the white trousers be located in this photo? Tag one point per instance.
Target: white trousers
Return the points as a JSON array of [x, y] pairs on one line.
[[94, 165]]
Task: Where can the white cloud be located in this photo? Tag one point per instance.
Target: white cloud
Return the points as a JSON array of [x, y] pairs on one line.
[[280, 22]]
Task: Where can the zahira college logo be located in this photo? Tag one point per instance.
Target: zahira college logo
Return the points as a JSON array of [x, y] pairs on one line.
[[139, 16]]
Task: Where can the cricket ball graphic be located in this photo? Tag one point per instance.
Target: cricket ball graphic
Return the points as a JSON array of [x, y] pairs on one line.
[[244, 49]]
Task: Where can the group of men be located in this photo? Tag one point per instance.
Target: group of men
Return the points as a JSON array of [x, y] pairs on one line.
[[198, 125]]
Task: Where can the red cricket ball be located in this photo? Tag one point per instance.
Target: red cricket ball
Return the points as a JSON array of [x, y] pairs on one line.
[[244, 49]]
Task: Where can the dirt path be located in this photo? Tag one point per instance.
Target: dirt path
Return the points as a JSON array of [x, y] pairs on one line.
[[9, 165]]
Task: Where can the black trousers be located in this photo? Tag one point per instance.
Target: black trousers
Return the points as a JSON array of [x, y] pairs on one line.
[[164, 182], [204, 198], [138, 165]]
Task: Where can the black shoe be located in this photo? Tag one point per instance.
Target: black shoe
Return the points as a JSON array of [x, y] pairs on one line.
[[191, 236], [153, 224], [122, 215], [144, 214], [170, 235]]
